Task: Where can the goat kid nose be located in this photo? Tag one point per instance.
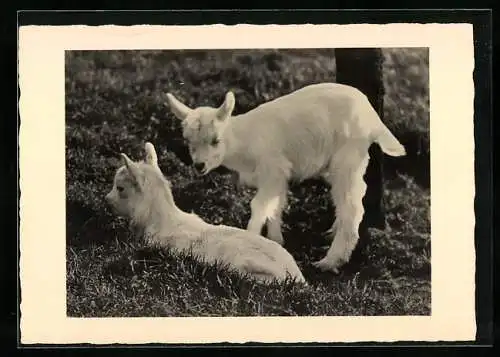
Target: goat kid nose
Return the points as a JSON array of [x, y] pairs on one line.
[[199, 166]]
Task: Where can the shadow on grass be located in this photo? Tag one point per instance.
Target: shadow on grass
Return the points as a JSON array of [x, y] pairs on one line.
[[86, 227]]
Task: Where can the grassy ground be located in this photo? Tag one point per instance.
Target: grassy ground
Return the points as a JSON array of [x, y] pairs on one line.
[[115, 102]]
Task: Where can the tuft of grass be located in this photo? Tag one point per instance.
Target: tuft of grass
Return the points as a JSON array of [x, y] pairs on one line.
[[115, 101]]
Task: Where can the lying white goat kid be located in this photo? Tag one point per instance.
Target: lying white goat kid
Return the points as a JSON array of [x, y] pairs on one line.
[[141, 193], [322, 130]]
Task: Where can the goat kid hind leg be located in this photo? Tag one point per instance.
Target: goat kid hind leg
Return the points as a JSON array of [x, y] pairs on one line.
[[348, 190]]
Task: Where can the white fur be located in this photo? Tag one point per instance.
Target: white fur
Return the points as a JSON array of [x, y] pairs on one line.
[[322, 130], [146, 198]]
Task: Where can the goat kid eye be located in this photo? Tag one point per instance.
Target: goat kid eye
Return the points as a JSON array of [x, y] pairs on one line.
[[215, 142], [120, 189]]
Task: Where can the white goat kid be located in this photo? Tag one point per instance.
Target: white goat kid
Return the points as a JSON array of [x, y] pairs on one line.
[[141, 193], [322, 130]]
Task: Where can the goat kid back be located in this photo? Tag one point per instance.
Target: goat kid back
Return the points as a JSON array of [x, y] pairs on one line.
[[141, 193], [322, 130]]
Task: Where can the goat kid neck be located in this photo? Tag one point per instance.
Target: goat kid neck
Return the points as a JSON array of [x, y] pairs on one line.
[[239, 151], [164, 218]]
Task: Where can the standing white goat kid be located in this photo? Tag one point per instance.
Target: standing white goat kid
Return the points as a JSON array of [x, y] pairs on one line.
[[321, 130], [141, 192]]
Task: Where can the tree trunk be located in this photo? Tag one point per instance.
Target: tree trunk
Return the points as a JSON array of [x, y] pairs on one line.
[[362, 68]]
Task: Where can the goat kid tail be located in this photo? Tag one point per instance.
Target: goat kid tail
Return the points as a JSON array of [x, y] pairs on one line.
[[388, 142]]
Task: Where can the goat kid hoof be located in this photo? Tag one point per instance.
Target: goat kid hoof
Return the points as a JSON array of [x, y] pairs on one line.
[[275, 235], [277, 240], [326, 265]]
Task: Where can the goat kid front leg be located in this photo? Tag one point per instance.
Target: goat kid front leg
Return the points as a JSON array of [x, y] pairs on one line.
[[274, 222], [267, 207]]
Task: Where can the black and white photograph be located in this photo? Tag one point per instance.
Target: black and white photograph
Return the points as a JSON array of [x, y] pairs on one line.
[[272, 181], [293, 132]]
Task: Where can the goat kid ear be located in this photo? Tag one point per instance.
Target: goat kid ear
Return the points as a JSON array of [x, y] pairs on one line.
[[180, 110], [133, 169], [226, 109], [151, 157]]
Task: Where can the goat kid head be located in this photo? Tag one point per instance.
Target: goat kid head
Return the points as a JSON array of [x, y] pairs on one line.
[[137, 185], [203, 129]]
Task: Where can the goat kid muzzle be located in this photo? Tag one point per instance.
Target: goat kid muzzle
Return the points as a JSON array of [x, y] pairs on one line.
[[200, 168]]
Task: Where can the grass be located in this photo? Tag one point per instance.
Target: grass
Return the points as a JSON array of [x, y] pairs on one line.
[[115, 102]]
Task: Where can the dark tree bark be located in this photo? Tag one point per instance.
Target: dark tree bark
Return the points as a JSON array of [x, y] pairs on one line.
[[362, 68]]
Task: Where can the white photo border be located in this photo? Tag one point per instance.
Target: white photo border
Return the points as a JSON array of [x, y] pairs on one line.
[[43, 186]]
